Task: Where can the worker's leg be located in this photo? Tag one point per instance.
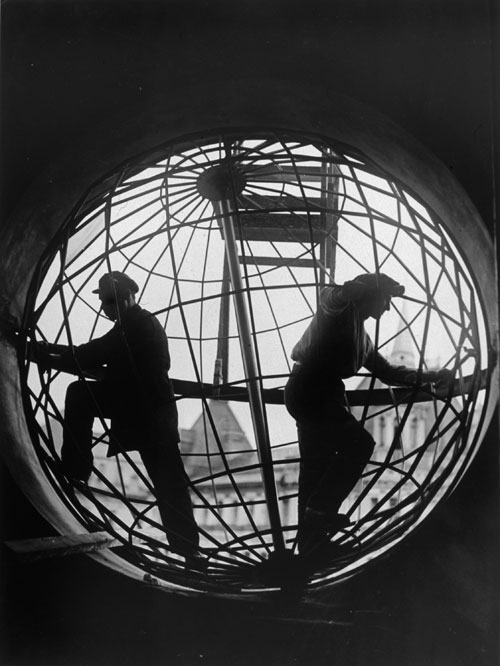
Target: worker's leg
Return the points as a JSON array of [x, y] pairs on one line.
[[353, 450], [327, 477], [315, 461], [334, 450], [313, 496], [84, 402], [340, 448], [165, 468], [311, 403]]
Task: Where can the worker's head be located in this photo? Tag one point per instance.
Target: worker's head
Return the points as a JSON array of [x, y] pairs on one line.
[[117, 293], [380, 289]]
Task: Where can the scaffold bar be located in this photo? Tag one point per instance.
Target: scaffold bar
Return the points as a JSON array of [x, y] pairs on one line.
[[252, 374]]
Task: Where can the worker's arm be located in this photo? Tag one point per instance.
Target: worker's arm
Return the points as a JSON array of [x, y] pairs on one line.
[[403, 376], [88, 358], [336, 299]]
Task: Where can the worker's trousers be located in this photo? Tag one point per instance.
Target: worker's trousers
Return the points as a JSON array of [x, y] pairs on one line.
[[86, 401], [334, 447]]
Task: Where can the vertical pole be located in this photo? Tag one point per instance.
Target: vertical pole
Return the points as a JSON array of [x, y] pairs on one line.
[[250, 366], [223, 336], [331, 178]]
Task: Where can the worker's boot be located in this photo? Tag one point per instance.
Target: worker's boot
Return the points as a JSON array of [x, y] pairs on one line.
[[317, 528], [196, 561]]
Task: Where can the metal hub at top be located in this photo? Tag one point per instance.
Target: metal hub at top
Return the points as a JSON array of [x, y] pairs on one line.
[[220, 182]]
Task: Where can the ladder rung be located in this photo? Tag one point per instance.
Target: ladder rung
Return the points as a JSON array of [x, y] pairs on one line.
[[277, 261]]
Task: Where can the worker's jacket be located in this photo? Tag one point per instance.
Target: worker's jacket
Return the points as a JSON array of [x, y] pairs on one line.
[[132, 360], [336, 345]]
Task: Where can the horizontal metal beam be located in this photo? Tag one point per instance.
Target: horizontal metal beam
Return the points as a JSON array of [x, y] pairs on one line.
[[356, 398]]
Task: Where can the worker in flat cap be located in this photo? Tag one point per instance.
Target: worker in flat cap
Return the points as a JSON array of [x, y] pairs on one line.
[[133, 389], [334, 446]]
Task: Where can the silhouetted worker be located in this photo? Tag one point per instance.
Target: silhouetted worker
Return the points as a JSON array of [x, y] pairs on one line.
[[334, 447], [134, 391]]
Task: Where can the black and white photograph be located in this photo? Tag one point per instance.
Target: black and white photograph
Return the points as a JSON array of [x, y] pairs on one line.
[[249, 374]]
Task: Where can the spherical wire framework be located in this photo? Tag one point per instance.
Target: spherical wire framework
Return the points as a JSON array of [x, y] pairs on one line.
[[231, 238]]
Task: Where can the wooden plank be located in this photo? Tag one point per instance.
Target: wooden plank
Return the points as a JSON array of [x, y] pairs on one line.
[[59, 546], [273, 173], [278, 261], [280, 227], [281, 203]]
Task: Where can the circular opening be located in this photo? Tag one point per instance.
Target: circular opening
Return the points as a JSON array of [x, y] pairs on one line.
[[250, 226]]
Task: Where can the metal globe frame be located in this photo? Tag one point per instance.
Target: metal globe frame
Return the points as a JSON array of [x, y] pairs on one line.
[[220, 230]]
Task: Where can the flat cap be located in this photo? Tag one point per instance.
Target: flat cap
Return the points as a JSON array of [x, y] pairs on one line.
[[116, 282]]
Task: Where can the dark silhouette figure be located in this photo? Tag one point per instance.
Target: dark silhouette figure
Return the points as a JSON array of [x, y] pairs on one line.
[[334, 446], [133, 389]]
